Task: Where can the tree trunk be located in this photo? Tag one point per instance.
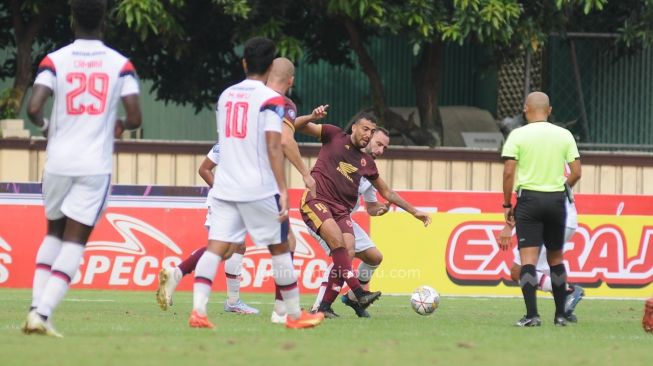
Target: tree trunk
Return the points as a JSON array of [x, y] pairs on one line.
[[390, 119], [25, 34], [427, 81], [24, 75]]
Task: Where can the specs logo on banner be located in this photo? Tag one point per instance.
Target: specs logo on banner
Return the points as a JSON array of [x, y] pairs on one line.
[[131, 262]]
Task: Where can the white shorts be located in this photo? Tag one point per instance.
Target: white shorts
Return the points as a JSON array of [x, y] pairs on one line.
[[230, 221], [207, 222], [363, 241], [82, 199]]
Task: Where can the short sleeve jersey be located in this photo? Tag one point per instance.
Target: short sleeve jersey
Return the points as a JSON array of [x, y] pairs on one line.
[[245, 112], [367, 191], [87, 80], [541, 149], [339, 169]]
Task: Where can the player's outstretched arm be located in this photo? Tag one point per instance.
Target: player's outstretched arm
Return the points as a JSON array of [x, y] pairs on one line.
[[311, 129], [377, 208], [275, 155], [40, 94], [206, 171], [392, 196], [291, 151], [317, 114]]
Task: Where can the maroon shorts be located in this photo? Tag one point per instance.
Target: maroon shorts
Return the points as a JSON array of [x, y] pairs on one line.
[[315, 212]]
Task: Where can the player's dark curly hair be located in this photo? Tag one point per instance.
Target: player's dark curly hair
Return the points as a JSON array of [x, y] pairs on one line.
[[366, 115], [259, 53], [88, 14]]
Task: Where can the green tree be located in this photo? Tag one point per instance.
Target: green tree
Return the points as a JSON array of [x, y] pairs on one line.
[[188, 48]]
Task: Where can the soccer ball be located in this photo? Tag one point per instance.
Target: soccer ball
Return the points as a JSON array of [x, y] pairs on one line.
[[425, 300]]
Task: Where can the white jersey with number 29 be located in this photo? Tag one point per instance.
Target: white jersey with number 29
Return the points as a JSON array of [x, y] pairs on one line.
[[87, 80], [245, 112]]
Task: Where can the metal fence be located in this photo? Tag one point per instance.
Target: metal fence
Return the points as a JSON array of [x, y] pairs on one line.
[[605, 97]]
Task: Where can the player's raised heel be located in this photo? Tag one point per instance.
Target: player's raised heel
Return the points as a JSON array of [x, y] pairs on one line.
[[573, 299], [529, 322], [34, 324], [199, 321], [168, 281], [305, 320]]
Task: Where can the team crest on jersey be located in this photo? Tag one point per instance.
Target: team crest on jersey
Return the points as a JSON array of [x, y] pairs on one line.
[[363, 162], [349, 223], [291, 113], [346, 169]]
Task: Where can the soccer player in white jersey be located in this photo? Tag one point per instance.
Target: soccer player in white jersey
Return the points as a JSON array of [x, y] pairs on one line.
[[169, 277], [280, 79], [87, 80], [575, 292], [364, 248], [249, 192]]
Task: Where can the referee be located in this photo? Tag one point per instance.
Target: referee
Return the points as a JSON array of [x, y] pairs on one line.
[[538, 153]]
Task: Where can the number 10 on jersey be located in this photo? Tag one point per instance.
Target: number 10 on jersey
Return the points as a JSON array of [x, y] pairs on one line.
[[236, 124]]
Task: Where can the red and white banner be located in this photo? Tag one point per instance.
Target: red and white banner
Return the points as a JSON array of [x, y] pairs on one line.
[[612, 250], [139, 235]]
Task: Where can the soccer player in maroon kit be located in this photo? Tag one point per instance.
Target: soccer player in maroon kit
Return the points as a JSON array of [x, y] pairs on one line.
[[337, 172]]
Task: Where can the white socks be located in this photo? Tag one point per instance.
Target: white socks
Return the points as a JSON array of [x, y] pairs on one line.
[[47, 254], [205, 272], [232, 268], [284, 277], [63, 271]]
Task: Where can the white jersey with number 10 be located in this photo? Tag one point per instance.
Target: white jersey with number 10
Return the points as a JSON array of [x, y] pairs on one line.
[[245, 112], [87, 80]]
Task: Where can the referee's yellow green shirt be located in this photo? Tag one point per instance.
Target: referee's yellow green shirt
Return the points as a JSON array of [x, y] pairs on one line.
[[541, 149]]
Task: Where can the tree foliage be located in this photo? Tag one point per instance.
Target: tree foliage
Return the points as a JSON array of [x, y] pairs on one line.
[[189, 49]]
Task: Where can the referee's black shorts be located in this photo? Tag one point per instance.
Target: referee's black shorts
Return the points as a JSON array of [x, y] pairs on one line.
[[541, 219]]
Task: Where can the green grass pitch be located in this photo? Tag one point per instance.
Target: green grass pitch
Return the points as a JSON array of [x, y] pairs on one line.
[[127, 328]]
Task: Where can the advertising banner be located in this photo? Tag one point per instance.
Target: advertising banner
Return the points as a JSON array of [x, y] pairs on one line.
[[146, 228]]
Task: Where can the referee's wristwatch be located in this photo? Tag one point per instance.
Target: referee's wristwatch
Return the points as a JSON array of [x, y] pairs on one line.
[[507, 205]]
